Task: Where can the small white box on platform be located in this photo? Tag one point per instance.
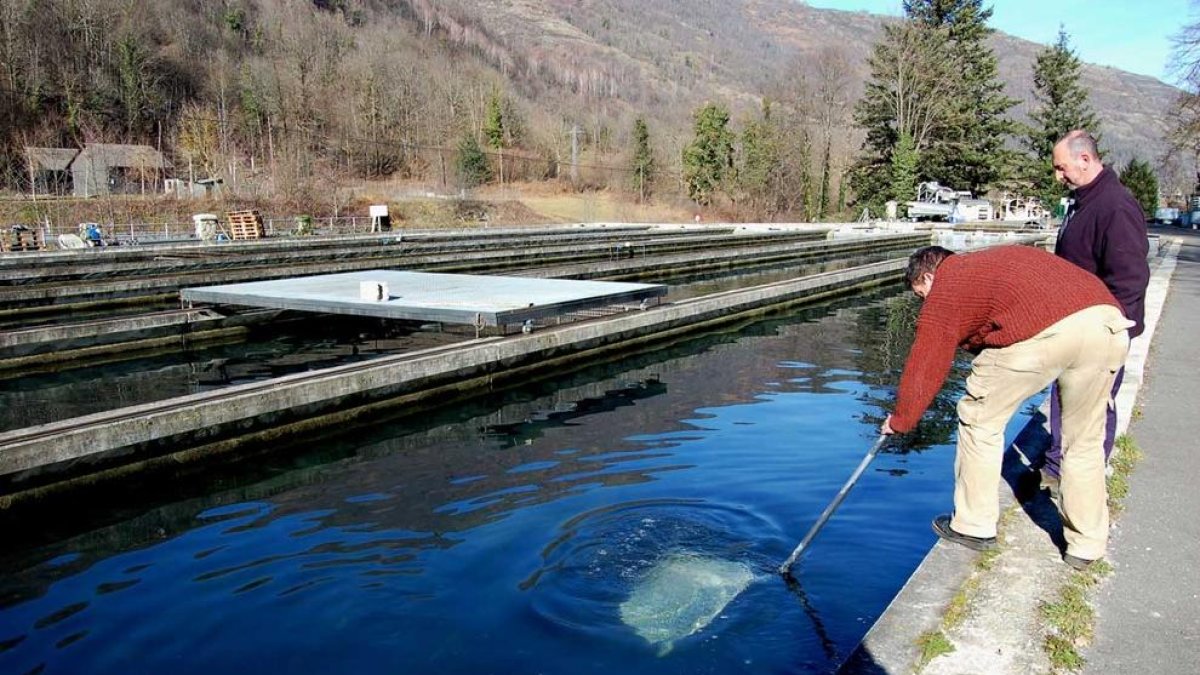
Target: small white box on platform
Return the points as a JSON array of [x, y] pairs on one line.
[[373, 291]]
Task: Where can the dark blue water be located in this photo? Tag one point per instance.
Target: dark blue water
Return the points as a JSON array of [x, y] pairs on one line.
[[502, 536]]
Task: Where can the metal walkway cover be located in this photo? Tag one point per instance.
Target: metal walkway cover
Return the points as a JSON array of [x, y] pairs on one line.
[[424, 296]]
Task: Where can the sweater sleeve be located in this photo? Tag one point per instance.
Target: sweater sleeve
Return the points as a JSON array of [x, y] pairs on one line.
[[1123, 265], [928, 364]]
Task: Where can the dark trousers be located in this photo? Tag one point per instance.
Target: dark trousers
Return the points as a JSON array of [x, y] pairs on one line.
[[1054, 452]]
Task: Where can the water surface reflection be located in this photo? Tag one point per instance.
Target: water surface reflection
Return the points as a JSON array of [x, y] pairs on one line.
[[498, 537]]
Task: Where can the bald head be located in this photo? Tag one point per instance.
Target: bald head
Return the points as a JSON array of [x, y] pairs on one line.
[[1076, 159]]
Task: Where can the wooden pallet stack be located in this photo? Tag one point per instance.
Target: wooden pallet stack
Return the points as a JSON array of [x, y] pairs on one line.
[[245, 225], [21, 240]]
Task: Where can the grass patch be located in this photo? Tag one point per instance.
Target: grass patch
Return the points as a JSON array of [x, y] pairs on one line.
[[1062, 653], [933, 644], [1069, 618], [987, 560], [956, 611], [1070, 614], [960, 604], [1100, 568], [1123, 461], [585, 207]]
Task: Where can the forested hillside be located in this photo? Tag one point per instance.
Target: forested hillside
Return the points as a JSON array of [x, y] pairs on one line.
[[280, 96]]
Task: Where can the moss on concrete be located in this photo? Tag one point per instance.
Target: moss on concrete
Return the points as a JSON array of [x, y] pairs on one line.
[[933, 644]]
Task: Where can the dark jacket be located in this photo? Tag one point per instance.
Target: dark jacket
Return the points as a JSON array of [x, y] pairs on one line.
[[1104, 232]]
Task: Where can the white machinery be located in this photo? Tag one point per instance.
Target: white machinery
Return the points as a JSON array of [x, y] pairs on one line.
[[933, 201], [938, 201], [1024, 210]]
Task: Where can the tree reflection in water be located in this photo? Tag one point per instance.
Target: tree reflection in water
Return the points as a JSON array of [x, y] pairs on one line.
[[882, 364]]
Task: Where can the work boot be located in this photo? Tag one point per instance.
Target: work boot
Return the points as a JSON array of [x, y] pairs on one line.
[[1077, 563], [941, 525]]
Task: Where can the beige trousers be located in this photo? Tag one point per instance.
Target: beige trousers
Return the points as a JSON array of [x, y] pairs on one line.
[[1083, 353]]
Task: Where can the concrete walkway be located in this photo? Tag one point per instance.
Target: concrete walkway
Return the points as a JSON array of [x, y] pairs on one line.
[[1148, 612]]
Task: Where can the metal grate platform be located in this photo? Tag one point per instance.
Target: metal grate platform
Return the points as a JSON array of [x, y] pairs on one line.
[[423, 296]]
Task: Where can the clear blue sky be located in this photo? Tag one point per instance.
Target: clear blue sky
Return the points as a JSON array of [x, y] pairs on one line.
[[1133, 35]]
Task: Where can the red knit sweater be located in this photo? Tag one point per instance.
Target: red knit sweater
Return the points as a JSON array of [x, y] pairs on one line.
[[991, 298]]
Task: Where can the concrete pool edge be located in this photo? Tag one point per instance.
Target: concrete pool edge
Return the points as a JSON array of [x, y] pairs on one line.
[[1001, 636], [125, 435]]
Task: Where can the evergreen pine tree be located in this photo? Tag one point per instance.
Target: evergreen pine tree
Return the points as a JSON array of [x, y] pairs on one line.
[[471, 163], [494, 128], [967, 152], [643, 159], [760, 165], [1062, 106], [1143, 183], [708, 160], [493, 123], [903, 184]]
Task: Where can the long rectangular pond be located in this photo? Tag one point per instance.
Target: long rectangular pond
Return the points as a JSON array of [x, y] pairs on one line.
[[293, 346], [505, 536]]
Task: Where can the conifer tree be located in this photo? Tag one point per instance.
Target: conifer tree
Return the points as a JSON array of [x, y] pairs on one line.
[[471, 163], [708, 160], [967, 152], [903, 184], [1143, 183], [760, 165], [494, 128], [1062, 106], [643, 159]]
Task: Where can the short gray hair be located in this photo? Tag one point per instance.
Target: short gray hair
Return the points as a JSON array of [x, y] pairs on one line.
[[1078, 142]]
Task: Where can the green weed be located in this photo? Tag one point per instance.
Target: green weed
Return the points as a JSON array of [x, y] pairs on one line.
[[933, 644]]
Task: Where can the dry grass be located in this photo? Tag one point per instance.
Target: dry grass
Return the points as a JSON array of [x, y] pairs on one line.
[[412, 205], [603, 207]]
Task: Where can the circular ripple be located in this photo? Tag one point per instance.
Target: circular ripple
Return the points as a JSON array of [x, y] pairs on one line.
[[590, 569]]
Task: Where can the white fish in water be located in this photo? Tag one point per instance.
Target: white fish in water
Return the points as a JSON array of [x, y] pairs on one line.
[[681, 595]]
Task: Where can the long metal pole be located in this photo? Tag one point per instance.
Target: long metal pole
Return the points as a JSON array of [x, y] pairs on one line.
[[786, 568]]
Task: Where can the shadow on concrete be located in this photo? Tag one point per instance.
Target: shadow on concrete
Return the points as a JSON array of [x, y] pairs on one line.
[[1020, 471]]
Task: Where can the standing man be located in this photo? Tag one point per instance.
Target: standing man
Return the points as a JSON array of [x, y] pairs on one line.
[[1031, 319], [1104, 232]]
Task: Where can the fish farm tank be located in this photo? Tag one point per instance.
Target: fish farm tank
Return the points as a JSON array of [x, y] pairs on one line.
[[626, 517]]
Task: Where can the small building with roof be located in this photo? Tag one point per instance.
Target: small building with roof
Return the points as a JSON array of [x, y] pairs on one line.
[[50, 170], [111, 168]]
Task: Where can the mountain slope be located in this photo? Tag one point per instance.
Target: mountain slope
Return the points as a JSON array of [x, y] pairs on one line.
[[679, 53]]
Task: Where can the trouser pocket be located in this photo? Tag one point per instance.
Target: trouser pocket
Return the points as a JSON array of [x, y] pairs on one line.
[[1118, 329]]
